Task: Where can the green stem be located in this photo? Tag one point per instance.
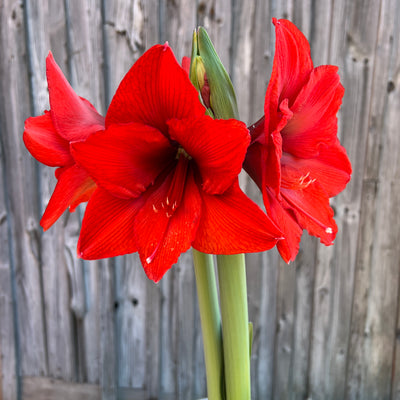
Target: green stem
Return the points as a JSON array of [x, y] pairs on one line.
[[235, 325], [210, 323]]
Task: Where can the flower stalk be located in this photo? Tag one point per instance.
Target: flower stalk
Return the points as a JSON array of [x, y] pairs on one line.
[[231, 268], [235, 326], [210, 323]]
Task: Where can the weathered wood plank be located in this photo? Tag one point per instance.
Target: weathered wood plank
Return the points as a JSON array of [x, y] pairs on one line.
[[284, 334], [123, 40], [85, 42], [177, 330], [88, 325], [177, 22], [375, 294], [131, 290], [55, 287], [391, 125], [186, 330], [108, 363], [21, 187], [303, 317], [167, 329], [331, 331], [265, 327], [8, 362], [215, 16], [241, 55], [382, 166], [153, 324], [261, 60], [44, 388]]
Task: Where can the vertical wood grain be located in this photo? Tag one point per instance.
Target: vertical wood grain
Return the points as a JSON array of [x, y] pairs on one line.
[[55, 290], [8, 340], [22, 189], [376, 289], [325, 327]]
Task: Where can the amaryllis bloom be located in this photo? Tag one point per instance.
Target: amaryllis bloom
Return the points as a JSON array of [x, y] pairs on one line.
[[295, 156], [47, 137], [167, 174]]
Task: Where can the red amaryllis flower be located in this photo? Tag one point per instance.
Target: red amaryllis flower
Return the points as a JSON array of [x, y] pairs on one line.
[[47, 137], [167, 174], [295, 156]]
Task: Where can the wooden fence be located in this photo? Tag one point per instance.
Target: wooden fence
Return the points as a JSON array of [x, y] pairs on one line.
[[325, 327]]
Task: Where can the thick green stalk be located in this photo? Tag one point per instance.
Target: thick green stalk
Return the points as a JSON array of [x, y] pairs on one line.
[[210, 323], [235, 326]]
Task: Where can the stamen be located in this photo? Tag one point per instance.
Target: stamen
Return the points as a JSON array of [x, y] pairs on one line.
[[151, 257], [306, 181], [181, 152]]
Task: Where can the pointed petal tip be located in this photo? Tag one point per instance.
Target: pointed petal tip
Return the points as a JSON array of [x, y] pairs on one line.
[[50, 61], [155, 277], [155, 280], [45, 226]]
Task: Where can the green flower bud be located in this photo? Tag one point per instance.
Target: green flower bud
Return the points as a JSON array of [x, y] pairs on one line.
[[210, 78]]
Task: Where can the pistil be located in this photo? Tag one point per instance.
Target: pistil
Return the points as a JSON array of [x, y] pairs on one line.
[[177, 185]]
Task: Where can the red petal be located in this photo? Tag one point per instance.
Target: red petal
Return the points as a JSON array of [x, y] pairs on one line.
[[44, 143], [331, 168], [273, 153], [312, 211], [289, 246], [257, 130], [186, 64], [125, 159], [74, 186], [263, 159], [292, 60], [74, 119], [253, 163], [231, 223], [161, 239], [217, 146], [153, 91], [107, 226], [314, 118], [291, 67]]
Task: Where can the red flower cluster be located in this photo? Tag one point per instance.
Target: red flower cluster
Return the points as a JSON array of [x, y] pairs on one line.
[[161, 176], [166, 173], [295, 156]]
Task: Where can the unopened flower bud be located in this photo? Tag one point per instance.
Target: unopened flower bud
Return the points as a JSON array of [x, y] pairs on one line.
[[210, 78], [201, 81]]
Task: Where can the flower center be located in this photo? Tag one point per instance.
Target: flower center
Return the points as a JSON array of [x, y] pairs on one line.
[[177, 185]]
